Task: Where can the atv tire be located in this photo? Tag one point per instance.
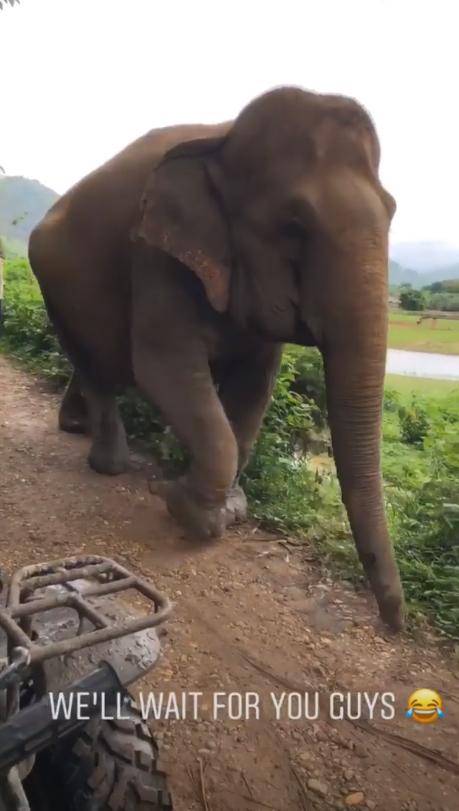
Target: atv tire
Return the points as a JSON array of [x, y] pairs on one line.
[[112, 766]]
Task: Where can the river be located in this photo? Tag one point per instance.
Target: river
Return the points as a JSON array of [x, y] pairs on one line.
[[422, 364]]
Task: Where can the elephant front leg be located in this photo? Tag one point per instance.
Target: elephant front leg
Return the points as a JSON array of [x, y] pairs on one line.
[[245, 393], [182, 387]]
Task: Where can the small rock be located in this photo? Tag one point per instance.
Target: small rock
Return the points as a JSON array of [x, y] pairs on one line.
[[356, 798], [371, 805], [296, 735], [320, 670], [360, 750], [317, 786]]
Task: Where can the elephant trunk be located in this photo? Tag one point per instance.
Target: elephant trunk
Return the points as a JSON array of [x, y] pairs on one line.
[[354, 351]]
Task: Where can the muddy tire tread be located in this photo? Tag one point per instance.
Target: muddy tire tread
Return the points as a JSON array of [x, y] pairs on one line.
[[113, 766]]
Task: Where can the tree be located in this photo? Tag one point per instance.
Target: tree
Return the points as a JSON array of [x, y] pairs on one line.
[[447, 302], [9, 3], [412, 300], [436, 287]]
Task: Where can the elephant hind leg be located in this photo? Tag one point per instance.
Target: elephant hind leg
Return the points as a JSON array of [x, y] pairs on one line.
[[89, 404], [74, 412], [109, 452], [89, 409]]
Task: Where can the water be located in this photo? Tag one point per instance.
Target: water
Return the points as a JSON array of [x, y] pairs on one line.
[[422, 364]]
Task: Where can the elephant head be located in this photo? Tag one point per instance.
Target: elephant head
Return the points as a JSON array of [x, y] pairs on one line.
[[284, 220]]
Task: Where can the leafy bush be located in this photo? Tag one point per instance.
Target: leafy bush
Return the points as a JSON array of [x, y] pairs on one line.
[[27, 333], [448, 302], [391, 401], [291, 414], [412, 300], [282, 489], [309, 381], [423, 500], [414, 423]]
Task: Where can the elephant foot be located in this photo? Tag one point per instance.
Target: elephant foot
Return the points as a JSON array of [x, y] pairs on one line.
[[236, 505], [109, 459], [73, 413], [202, 521], [73, 424]]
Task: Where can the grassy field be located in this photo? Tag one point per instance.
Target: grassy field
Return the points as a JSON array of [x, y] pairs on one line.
[[404, 333], [406, 386]]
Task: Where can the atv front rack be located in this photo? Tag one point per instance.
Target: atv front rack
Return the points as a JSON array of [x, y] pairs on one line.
[[109, 577]]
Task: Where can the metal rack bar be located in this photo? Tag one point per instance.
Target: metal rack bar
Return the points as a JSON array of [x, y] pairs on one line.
[[23, 604]]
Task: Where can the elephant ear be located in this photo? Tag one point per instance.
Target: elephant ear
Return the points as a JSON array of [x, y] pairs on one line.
[[181, 215]]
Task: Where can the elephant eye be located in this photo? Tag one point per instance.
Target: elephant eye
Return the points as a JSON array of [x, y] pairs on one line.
[[292, 229]]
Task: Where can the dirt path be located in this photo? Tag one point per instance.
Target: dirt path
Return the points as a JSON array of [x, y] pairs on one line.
[[250, 616]]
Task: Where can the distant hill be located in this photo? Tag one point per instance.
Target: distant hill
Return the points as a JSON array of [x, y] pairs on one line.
[[425, 256], [23, 203], [450, 285], [403, 275]]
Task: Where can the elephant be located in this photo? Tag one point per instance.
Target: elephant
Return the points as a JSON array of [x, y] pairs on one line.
[[185, 263]]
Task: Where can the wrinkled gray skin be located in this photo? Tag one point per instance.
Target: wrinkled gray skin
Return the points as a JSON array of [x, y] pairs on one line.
[[191, 257]]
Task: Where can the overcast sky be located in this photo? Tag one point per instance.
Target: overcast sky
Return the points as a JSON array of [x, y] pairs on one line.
[[82, 78]]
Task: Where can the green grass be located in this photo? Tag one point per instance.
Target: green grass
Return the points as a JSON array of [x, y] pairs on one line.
[[405, 333], [406, 386]]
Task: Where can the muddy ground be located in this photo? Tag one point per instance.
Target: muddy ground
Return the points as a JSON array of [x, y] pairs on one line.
[[251, 615]]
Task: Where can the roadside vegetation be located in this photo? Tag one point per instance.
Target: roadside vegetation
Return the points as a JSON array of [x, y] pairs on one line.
[[439, 296], [290, 479]]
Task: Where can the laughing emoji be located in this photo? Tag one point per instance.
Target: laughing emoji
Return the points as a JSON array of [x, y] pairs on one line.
[[424, 706]]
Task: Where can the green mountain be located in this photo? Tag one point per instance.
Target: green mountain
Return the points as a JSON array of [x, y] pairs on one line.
[[425, 255], [402, 275], [23, 203]]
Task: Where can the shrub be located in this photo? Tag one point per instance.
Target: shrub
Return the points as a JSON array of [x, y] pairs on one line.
[[423, 499], [412, 300], [414, 423], [290, 415], [27, 332], [391, 401], [448, 302], [309, 381], [283, 491]]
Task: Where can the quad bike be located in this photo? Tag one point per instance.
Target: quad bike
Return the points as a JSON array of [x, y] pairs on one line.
[[67, 632]]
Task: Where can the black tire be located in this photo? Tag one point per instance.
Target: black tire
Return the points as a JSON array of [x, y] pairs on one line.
[[112, 766]]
